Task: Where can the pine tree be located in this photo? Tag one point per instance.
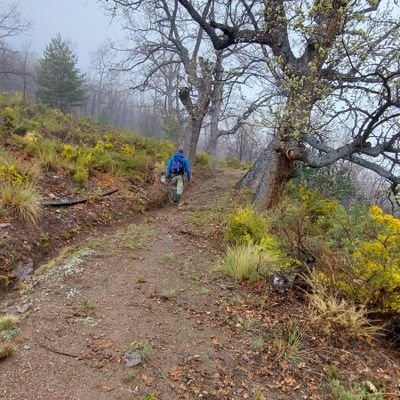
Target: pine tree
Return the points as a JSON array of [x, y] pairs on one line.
[[60, 81]]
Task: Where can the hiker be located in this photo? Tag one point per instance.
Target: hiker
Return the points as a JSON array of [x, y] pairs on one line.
[[177, 166]]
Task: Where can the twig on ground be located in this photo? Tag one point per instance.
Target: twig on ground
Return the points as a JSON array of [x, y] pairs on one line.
[[63, 353]]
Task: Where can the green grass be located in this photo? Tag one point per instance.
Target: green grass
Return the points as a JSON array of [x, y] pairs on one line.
[[258, 343], [356, 392], [151, 396], [204, 290], [289, 344], [47, 152]]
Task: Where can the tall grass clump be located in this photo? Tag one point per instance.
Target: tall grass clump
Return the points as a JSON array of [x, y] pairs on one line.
[[8, 322], [47, 153], [22, 200], [246, 262]]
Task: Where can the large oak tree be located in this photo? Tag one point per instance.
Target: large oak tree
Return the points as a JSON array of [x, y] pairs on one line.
[[339, 64]]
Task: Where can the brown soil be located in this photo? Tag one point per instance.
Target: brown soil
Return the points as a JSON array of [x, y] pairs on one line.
[[150, 286], [25, 246]]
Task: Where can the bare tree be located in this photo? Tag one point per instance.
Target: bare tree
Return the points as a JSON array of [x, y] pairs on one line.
[[325, 50], [16, 72], [11, 22], [164, 39], [167, 41]]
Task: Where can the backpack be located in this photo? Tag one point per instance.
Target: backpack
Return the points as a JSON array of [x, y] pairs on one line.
[[177, 167]]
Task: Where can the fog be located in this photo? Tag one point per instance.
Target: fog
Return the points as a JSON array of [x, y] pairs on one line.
[[82, 22]]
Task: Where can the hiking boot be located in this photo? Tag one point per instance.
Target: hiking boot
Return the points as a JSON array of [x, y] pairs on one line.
[[177, 198]]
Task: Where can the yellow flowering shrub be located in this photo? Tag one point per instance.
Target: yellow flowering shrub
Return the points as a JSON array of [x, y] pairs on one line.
[[127, 149], [11, 174], [245, 225], [103, 146], [376, 265], [315, 205], [68, 151]]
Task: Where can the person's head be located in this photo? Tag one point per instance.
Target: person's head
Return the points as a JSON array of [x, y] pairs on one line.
[[180, 150]]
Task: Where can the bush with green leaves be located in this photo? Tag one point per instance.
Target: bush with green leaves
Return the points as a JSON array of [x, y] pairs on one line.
[[333, 182]]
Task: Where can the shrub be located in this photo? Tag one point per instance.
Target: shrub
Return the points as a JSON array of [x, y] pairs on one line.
[[245, 225], [246, 262], [131, 165], [233, 162], [331, 313], [202, 159], [102, 160], [12, 170], [6, 349], [23, 200], [376, 260], [81, 174]]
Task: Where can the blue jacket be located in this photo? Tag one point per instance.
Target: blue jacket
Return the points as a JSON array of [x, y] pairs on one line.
[[185, 163]]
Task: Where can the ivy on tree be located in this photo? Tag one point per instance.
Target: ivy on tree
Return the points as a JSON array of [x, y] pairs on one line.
[[60, 81]]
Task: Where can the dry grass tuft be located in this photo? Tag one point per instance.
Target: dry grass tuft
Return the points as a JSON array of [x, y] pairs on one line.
[[6, 350], [8, 322], [246, 262], [23, 200], [8, 330], [332, 314]]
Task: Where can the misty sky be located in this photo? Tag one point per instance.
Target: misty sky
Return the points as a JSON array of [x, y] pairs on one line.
[[81, 21]]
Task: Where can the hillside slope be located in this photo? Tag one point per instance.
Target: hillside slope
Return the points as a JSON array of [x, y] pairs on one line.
[[50, 158]]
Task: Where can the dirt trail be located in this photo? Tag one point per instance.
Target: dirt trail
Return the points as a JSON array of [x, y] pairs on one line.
[[148, 288]]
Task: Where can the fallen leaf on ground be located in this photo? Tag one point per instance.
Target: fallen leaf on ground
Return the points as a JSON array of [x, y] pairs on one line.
[[175, 373]]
